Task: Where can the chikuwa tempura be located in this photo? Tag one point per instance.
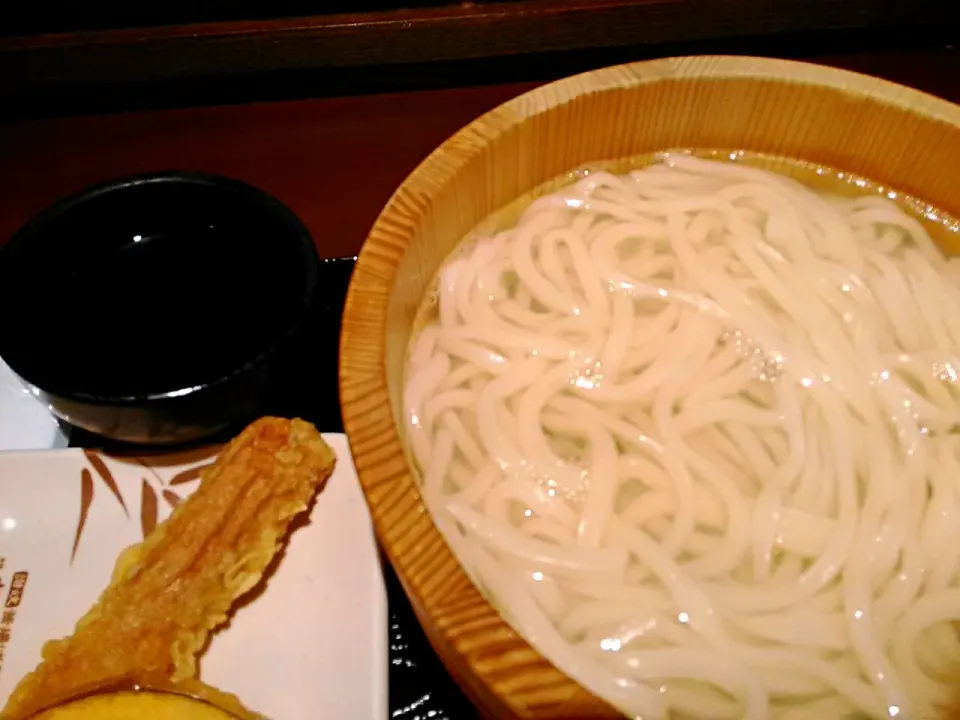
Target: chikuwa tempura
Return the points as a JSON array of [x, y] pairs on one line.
[[171, 591]]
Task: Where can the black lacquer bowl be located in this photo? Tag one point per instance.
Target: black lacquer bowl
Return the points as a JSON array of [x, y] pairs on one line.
[[157, 309]]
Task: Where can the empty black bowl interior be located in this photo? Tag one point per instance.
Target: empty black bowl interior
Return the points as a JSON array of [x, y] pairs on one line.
[[152, 287]]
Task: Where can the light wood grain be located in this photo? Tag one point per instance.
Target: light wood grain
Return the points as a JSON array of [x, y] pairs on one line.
[[899, 137]]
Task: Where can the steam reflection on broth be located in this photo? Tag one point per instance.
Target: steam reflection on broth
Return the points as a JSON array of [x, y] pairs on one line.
[[693, 429]]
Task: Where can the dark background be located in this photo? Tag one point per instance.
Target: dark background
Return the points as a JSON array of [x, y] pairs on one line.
[[18, 17], [66, 57]]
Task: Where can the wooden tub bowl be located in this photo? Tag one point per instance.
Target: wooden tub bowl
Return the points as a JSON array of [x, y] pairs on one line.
[[894, 135]]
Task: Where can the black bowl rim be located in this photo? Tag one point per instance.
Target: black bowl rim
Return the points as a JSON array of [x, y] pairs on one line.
[[295, 230]]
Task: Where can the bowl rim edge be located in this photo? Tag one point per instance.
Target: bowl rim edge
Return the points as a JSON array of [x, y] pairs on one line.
[[362, 371]]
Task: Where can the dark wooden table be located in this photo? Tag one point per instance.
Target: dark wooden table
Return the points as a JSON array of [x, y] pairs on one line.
[[334, 160]]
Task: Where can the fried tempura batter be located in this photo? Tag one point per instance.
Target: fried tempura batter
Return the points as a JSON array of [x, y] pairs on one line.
[[170, 591]]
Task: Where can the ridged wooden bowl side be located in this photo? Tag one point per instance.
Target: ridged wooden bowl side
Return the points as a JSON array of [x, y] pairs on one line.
[[891, 134]]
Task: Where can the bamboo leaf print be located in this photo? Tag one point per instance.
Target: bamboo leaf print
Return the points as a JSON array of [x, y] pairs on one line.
[[189, 475], [148, 509], [104, 472], [149, 468], [86, 499], [172, 498]]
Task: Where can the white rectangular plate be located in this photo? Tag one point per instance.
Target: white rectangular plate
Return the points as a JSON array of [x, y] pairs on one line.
[[312, 645]]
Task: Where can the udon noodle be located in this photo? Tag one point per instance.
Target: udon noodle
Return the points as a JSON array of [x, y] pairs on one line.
[[693, 429]]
